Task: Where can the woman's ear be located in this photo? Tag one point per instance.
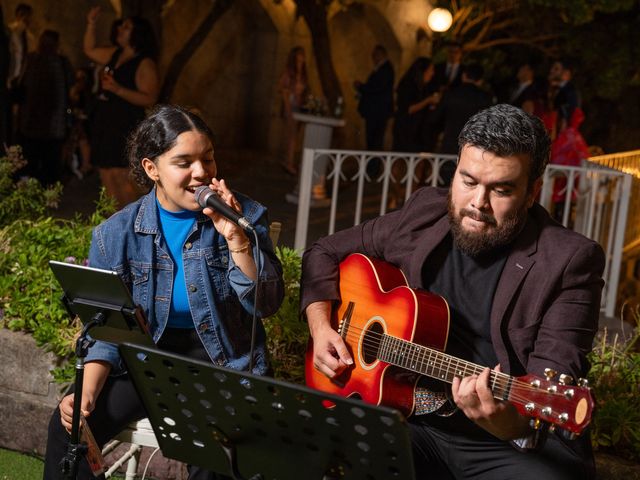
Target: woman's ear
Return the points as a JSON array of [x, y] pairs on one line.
[[150, 169]]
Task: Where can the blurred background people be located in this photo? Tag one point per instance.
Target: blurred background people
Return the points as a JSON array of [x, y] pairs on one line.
[[376, 98], [458, 105], [563, 95], [525, 94], [449, 74], [21, 42], [294, 87], [77, 151], [415, 95], [42, 114], [129, 84]]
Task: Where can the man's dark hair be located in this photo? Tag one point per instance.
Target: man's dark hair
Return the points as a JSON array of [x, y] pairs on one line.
[[473, 71], [157, 134], [566, 63], [23, 9], [505, 130], [143, 38]]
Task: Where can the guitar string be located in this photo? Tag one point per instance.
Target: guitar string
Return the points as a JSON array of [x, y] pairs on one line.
[[516, 387], [440, 361]]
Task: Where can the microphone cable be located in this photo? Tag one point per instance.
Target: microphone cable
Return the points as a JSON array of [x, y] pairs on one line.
[[254, 318]]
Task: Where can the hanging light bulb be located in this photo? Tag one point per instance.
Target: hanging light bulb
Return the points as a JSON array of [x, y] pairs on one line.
[[439, 19]]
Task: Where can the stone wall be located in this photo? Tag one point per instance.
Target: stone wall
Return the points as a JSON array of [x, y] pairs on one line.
[[27, 393]]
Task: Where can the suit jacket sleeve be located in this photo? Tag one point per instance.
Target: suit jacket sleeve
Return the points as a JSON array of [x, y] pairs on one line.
[[569, 324]]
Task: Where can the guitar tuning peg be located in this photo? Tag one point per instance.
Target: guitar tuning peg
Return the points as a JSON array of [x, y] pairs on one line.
[[550, 373], [583, 382], [565, 379]]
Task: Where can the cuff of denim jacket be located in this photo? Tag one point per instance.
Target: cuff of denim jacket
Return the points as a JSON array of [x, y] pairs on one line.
[[106, 352]]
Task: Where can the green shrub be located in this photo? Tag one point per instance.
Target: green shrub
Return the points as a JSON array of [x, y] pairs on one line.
[[286, 333], [25, 198], [615, 382], [29, 294]]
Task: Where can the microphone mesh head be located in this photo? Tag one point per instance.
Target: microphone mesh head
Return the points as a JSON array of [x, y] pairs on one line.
[[201, 194]]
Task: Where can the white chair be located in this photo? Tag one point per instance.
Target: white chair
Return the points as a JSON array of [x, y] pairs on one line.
[[139, 434]]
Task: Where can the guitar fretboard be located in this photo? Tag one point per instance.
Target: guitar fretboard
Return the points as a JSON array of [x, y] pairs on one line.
[[438, 365]]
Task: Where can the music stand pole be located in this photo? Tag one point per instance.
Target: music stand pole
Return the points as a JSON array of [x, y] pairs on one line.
[[76, 449]]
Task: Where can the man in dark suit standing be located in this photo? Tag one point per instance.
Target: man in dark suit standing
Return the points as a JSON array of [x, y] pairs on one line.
[[458, 105], [523, 295], [376, 98], [525, 94], [564, 93], [449, 74]]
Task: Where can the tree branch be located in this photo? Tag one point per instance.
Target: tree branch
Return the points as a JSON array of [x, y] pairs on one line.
[[534, 42], [183, 56]]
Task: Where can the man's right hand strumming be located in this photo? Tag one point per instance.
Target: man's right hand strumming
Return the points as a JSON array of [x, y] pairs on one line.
[[330, 354]]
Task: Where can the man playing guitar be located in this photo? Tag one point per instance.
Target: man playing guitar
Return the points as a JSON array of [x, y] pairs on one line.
[[523, 295]]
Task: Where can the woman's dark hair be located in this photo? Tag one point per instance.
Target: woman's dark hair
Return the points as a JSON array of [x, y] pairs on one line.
[[505, 130], [292, 63], [49, 42], [158, 134], [143, 38], [113, 32], [416, 71]]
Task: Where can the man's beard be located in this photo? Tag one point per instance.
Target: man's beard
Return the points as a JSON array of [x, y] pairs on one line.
[[475, 244]]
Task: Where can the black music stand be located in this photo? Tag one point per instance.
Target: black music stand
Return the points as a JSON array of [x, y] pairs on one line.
[[103, 302], [256, 428]]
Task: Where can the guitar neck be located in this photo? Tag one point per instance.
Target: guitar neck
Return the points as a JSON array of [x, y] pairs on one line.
[[435, 364]]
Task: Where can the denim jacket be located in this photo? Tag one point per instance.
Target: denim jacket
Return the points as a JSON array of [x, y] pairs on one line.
[[221, 296]]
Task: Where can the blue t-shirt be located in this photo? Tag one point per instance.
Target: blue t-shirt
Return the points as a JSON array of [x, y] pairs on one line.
[[176, 227]]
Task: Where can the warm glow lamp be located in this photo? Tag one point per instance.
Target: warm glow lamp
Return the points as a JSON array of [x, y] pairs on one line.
[[439, 19]]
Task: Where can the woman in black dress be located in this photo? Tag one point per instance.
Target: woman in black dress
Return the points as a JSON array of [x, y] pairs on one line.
[[129, 85]]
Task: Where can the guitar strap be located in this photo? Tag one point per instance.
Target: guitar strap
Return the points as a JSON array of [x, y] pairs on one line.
[[430, 401]]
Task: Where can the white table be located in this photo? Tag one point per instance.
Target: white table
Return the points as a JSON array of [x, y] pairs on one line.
[[317, 135]]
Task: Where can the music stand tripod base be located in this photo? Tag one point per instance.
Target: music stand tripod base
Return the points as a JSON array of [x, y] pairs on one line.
[[251, 427]]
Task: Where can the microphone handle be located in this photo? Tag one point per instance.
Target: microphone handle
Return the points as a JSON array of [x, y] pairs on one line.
[[216, 203]]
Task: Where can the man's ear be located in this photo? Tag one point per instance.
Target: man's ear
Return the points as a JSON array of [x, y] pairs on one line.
[[150, 169], [535, 191]]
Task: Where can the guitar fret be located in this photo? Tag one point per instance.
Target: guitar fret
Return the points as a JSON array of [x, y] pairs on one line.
[[435, 364], [414, 356]]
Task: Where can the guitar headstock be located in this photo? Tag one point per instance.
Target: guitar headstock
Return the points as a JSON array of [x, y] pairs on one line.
[[559, 403]]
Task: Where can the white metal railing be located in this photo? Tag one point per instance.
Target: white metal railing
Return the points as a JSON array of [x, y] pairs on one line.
[[594, 200], [627, 162]]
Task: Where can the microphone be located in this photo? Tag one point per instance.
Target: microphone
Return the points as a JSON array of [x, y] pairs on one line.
[[208, 198]]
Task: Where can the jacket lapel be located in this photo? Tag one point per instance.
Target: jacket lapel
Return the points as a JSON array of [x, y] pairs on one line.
[[518, 264], [429, 240]]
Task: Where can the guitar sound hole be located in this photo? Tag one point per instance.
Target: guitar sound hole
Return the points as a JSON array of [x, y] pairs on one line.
[[371, 343]]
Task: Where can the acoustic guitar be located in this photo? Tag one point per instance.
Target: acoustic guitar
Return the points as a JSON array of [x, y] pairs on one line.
[[396, 333]]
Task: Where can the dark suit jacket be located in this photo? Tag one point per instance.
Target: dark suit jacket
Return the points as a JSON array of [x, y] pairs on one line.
[[440, 76], [566, 101], [546, 305], [376, 94], [530, 93]]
